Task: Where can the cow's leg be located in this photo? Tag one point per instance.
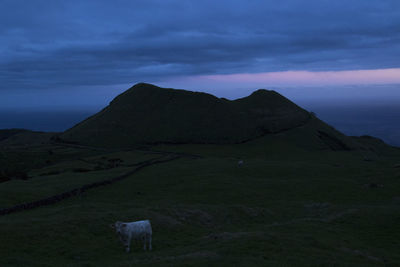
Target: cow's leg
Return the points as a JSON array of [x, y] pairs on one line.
[[128, 244], [144, 242], [149, 239]]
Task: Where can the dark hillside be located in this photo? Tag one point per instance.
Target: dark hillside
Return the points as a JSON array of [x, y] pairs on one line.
[[6, 133], [149, 114], [18, 137]]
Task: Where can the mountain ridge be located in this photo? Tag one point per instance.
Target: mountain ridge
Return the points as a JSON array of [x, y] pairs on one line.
[[146, 114]]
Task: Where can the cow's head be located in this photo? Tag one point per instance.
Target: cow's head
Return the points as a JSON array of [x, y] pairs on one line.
[[118, 226]]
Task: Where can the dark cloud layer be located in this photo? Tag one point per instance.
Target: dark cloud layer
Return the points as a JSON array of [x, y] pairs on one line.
[[46, 44]]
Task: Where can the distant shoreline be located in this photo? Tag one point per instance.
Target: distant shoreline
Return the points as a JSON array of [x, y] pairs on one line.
[[353, 120]]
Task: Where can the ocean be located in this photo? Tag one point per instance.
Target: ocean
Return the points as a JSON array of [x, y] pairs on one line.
[[43, 120], [382, 121]]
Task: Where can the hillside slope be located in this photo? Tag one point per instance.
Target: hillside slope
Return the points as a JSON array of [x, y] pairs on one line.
[[7, 133], [149, 114]]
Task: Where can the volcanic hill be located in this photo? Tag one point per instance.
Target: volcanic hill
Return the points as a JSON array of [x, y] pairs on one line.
[[147, 114]]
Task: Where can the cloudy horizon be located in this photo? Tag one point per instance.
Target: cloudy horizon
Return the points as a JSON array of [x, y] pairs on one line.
[[69, 45]]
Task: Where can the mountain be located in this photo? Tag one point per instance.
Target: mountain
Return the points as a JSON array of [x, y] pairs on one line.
[[147, 114], [7, 133]]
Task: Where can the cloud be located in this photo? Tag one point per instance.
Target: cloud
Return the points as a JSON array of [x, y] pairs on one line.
[[353, 85], [53, 44], [301, 78]]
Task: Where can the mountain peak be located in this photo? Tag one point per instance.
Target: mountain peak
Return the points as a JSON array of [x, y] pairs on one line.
[[146, 113], [146, 86], [263, 92]]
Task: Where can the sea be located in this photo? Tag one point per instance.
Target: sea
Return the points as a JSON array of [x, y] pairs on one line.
[[42, 120], [382, 121]]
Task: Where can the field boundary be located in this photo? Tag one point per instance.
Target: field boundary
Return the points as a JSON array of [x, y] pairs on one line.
[[166, 157]]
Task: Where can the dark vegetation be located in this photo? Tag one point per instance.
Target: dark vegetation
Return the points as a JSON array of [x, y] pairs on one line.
[[6, 175], [149, 114], [332, 142], [79, 190], [6, 133], [305, 195]]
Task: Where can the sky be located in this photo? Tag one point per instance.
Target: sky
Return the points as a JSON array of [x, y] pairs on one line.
[[77, 54]]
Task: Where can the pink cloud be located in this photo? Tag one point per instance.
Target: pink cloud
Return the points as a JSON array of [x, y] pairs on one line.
[[328, 84], [348, 77]]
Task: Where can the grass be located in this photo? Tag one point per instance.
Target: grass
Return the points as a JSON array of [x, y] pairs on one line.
[[68, 174], [307, 196], [286, 206]]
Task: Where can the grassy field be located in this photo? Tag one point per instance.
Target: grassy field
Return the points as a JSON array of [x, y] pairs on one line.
[[290, 204]]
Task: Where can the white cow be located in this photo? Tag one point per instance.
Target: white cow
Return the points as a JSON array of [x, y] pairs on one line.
[[140, 230]]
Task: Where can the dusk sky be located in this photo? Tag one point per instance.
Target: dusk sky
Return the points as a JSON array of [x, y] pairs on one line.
[[83, 53]]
